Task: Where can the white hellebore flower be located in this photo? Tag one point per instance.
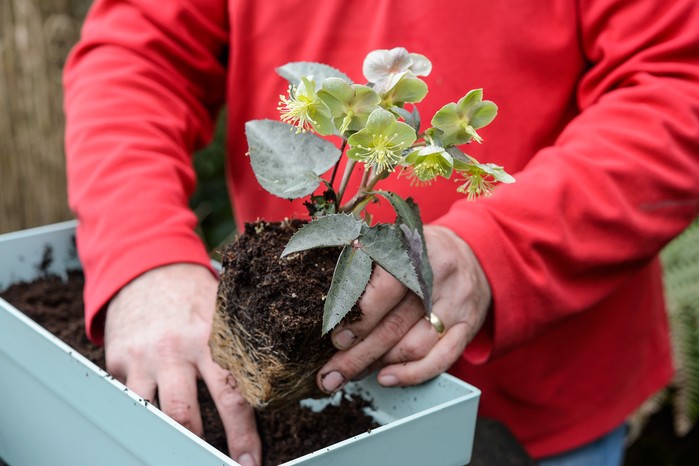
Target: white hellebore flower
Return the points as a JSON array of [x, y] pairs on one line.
[[385, 68]]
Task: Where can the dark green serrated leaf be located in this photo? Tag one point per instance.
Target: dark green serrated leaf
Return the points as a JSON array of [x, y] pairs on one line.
[[406, 210], [286, 163], [385, 244], [410, 222], [352, 273], [294, 71], [325, 231], [419, 260]]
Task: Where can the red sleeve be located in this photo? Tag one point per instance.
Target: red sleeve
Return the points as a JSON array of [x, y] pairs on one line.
[[621, 180], [142, 88]]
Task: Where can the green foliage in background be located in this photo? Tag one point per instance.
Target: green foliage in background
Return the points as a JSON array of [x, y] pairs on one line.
[[210, 201], [680, 261]]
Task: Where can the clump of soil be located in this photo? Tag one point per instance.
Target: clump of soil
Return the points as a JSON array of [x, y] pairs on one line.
[[267, 327], [57, 305]]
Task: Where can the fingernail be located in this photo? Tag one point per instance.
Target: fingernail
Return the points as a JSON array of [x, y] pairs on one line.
[[246, 460], [388, 380], [344, 339], [332, 381]]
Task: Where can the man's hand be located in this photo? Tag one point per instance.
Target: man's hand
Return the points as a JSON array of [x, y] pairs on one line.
[[393, 334], [156, 340]]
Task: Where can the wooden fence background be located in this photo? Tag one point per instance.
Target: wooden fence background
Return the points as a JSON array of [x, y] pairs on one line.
[[35, 38]]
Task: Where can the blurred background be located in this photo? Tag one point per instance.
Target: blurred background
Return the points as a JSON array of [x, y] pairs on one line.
[[35, 38]]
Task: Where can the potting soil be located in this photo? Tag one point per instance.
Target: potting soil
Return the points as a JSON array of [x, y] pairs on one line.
[[58, 306]]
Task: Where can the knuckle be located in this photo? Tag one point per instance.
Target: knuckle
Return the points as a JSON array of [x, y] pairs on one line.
[[353, 367], [349, 367], [168, 345], [410, 352], [394, 326], [181, 412], [231, 400], [351, 363], [118, 358]]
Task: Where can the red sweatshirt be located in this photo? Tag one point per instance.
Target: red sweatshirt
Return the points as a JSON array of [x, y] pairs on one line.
[[598, 122]]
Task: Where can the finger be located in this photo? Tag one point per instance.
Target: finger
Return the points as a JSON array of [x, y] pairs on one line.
[[416, 344], [236, 414], [382, 294], [346, 365], [177, 394], [439, 359], [423, 335], [118, 373], [141, 384]]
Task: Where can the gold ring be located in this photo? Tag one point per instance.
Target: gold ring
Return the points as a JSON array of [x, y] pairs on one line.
[[436, 323]]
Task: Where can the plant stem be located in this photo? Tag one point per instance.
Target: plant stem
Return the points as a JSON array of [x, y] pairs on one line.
[[365, 178], [337, 165], [372, 182], [345, 179], [359, 207], [366, 187]]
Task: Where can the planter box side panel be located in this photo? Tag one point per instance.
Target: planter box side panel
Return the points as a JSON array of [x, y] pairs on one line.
[[411, 417], [22, 253], [59, 408]]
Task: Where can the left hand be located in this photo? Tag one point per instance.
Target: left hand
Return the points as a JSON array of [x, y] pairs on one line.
[[393, 334]]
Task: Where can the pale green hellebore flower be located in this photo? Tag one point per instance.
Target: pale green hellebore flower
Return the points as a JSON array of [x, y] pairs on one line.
[[408, 89], [350, 104], [459, 121], [382, 142], [305, 110], [481, 178], [429, 162]]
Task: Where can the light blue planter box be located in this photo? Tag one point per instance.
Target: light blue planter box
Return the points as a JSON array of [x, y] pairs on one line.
[[58, 408]]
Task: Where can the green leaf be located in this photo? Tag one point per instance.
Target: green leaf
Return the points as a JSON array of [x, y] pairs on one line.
[[294, 71], [286, 163], [352, 273], [386, 246], [406, 210], [417, 252], [329, 230]]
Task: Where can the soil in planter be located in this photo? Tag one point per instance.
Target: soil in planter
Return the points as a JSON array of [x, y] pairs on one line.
[[57, 306], [267, 328]]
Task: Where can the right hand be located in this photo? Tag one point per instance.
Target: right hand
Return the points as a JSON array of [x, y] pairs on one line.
[[156, 342]]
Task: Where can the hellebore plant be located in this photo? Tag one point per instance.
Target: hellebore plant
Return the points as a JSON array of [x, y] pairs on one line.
[[380, 135]]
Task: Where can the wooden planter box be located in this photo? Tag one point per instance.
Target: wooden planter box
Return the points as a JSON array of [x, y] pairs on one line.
[[56, 407]]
